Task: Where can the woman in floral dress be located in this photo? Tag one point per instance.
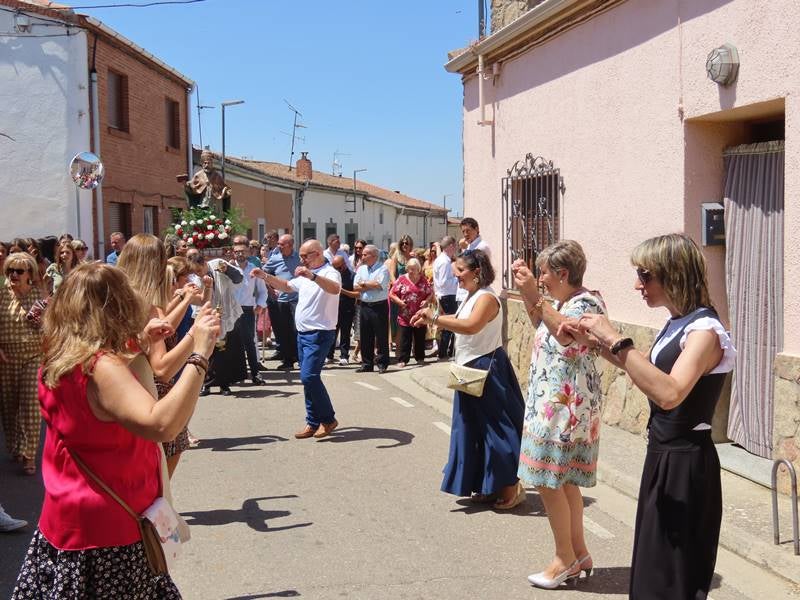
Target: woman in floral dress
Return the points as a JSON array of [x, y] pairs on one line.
[[409, 293], [560, 435]]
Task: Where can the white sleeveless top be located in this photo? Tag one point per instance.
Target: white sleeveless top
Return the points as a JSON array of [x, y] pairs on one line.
[[470, 347]]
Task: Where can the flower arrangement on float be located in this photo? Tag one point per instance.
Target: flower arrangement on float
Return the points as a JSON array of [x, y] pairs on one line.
[[201, 228]]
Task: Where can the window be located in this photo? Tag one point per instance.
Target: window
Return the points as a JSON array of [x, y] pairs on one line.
[[150, 220], [330, 228], [172, 111], [262, 229], [117, 99], [380, 217], [406, 219], [532, 194], [119, 218], [309, 231]]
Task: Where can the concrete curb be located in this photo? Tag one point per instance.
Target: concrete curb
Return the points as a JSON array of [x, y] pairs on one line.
[[732, 538]]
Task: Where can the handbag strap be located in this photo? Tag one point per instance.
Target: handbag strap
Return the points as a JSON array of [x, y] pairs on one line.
[[99, 482]]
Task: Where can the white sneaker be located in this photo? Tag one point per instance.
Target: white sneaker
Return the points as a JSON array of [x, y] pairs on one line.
[[9, 523], [343, 362]]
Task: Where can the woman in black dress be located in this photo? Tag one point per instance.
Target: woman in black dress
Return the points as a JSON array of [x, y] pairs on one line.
[[680, 499]]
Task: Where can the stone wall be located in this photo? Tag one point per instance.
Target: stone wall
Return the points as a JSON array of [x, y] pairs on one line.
[[624, 406], [506, 11], [786, 426]]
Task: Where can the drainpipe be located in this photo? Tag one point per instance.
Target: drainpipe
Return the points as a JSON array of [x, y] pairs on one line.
[[299, 226], [98, 192], [189, 91], [481, 77]]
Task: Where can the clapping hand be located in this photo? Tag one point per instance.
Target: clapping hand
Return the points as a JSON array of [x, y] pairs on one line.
[[206, 330], [422, 317], [599, 327], [157, 329], [258, 273], [302, 271], [524, 279]]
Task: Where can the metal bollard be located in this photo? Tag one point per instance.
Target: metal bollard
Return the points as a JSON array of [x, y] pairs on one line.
[[775, 525]]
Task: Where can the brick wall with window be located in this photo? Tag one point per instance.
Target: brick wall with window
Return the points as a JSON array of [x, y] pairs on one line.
[[143, 136]]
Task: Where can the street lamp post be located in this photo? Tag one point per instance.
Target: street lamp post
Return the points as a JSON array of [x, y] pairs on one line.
[[224, 104], [354, 187]]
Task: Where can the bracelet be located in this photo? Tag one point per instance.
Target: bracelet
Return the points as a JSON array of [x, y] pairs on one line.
[[435, 317], [199, 361], [620, 345], [181, 294], [313, 277]]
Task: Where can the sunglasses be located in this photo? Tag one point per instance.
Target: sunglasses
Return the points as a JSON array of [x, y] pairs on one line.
[[644, 275], [17, 271]]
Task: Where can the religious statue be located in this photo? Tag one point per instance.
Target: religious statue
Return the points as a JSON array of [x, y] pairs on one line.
[[207, 189]]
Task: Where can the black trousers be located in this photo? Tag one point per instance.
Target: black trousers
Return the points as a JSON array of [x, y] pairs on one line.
[[447, 306], [407, 335], [375, 332], [285, 331], [343, 328], [272, 311], [246, 326]]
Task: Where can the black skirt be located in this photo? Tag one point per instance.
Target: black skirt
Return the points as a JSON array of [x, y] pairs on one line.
[[677, 520], [121, 572]]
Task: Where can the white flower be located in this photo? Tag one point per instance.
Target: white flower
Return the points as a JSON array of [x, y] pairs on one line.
[[192, 222], [227, 221], [210, 236], [212, 217], [223, 235], [184, 223], [209, 227], [189, 241]]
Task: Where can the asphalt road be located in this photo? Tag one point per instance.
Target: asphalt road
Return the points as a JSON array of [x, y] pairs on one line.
[[360, 514]]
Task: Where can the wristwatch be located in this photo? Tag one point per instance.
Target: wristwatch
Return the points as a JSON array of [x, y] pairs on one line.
[[313, 277], [620, 345]]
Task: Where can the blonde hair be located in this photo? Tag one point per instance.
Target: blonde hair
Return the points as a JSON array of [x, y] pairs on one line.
[[66, 244], [22, 258], [413, 262], [566, 254], [144, 261], [678, 264], [179, 266], [95, 310]]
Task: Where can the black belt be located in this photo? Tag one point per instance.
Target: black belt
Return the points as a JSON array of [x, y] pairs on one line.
[[378, 303]]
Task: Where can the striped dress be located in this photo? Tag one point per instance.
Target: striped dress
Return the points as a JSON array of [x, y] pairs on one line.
[[561, 431]]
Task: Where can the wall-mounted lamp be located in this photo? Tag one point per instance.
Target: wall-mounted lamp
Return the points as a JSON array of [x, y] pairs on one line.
[[722, 64]]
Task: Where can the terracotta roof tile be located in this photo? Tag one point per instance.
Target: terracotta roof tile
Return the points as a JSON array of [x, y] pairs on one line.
[[280, 171]]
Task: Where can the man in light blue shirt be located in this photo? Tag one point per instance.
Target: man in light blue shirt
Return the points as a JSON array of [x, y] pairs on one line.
[[117, 240], [252, 297], [333, 250], [283, 264], [372, 281]]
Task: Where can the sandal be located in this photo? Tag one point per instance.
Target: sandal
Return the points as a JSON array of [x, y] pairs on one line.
[[29, 466], [482, 498], [518, 498]]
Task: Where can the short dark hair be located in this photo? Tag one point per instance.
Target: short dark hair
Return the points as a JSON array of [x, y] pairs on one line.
[[470, 222], [331, 237], [478, 259]]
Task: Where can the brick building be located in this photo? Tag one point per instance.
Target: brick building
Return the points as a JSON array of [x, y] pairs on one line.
[[144, 132]]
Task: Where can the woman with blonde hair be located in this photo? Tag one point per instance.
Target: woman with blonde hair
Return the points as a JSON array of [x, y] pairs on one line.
[[20, 355], [103, 424], [680, 499], [561, 433], [66, 260], [144, 261], [396, 265], [81, 250]]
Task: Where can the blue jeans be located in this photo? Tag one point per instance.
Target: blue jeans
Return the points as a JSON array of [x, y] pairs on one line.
[[312, 348]]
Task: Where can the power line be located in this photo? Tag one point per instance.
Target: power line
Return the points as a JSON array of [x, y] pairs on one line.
[[127, 5]]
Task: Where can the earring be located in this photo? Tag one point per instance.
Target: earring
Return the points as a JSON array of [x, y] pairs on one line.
[[560, 282], [475, 280]]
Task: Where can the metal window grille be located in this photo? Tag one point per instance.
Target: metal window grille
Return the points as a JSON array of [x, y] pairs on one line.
[[150, 219], [119, 218], [532, 193]]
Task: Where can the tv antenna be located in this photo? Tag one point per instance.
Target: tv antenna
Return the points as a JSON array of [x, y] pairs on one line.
[[336, 169], [295, 126], [200, 107]]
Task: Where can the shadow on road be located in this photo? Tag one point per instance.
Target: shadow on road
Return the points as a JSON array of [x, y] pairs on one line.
[[232, 444], [531, 507], [283, 594], [357, 434], [606, 580], [251, 514], [260, 392]]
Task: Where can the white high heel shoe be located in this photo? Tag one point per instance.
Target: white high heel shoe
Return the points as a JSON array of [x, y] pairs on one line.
[[541, 580]]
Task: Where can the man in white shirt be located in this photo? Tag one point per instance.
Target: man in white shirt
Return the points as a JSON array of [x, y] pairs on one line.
[[252, 297], [317, 285], [372, 282], [471, 241], [445, 286], [334, 249]]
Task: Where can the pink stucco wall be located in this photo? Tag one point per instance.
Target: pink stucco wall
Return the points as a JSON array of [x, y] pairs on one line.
[[623, 107]]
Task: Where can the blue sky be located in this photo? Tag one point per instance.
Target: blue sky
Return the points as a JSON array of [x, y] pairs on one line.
[[367, 75]]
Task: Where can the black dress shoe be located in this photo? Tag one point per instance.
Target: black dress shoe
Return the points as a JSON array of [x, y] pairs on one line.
[[205, 391], [382, 369], [285, 366], [258, 381], [276, 356], [225, 390], [363, 369]]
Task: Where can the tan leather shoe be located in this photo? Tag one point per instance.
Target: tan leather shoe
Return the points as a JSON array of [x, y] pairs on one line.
[[306, 432], [326, 428]]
